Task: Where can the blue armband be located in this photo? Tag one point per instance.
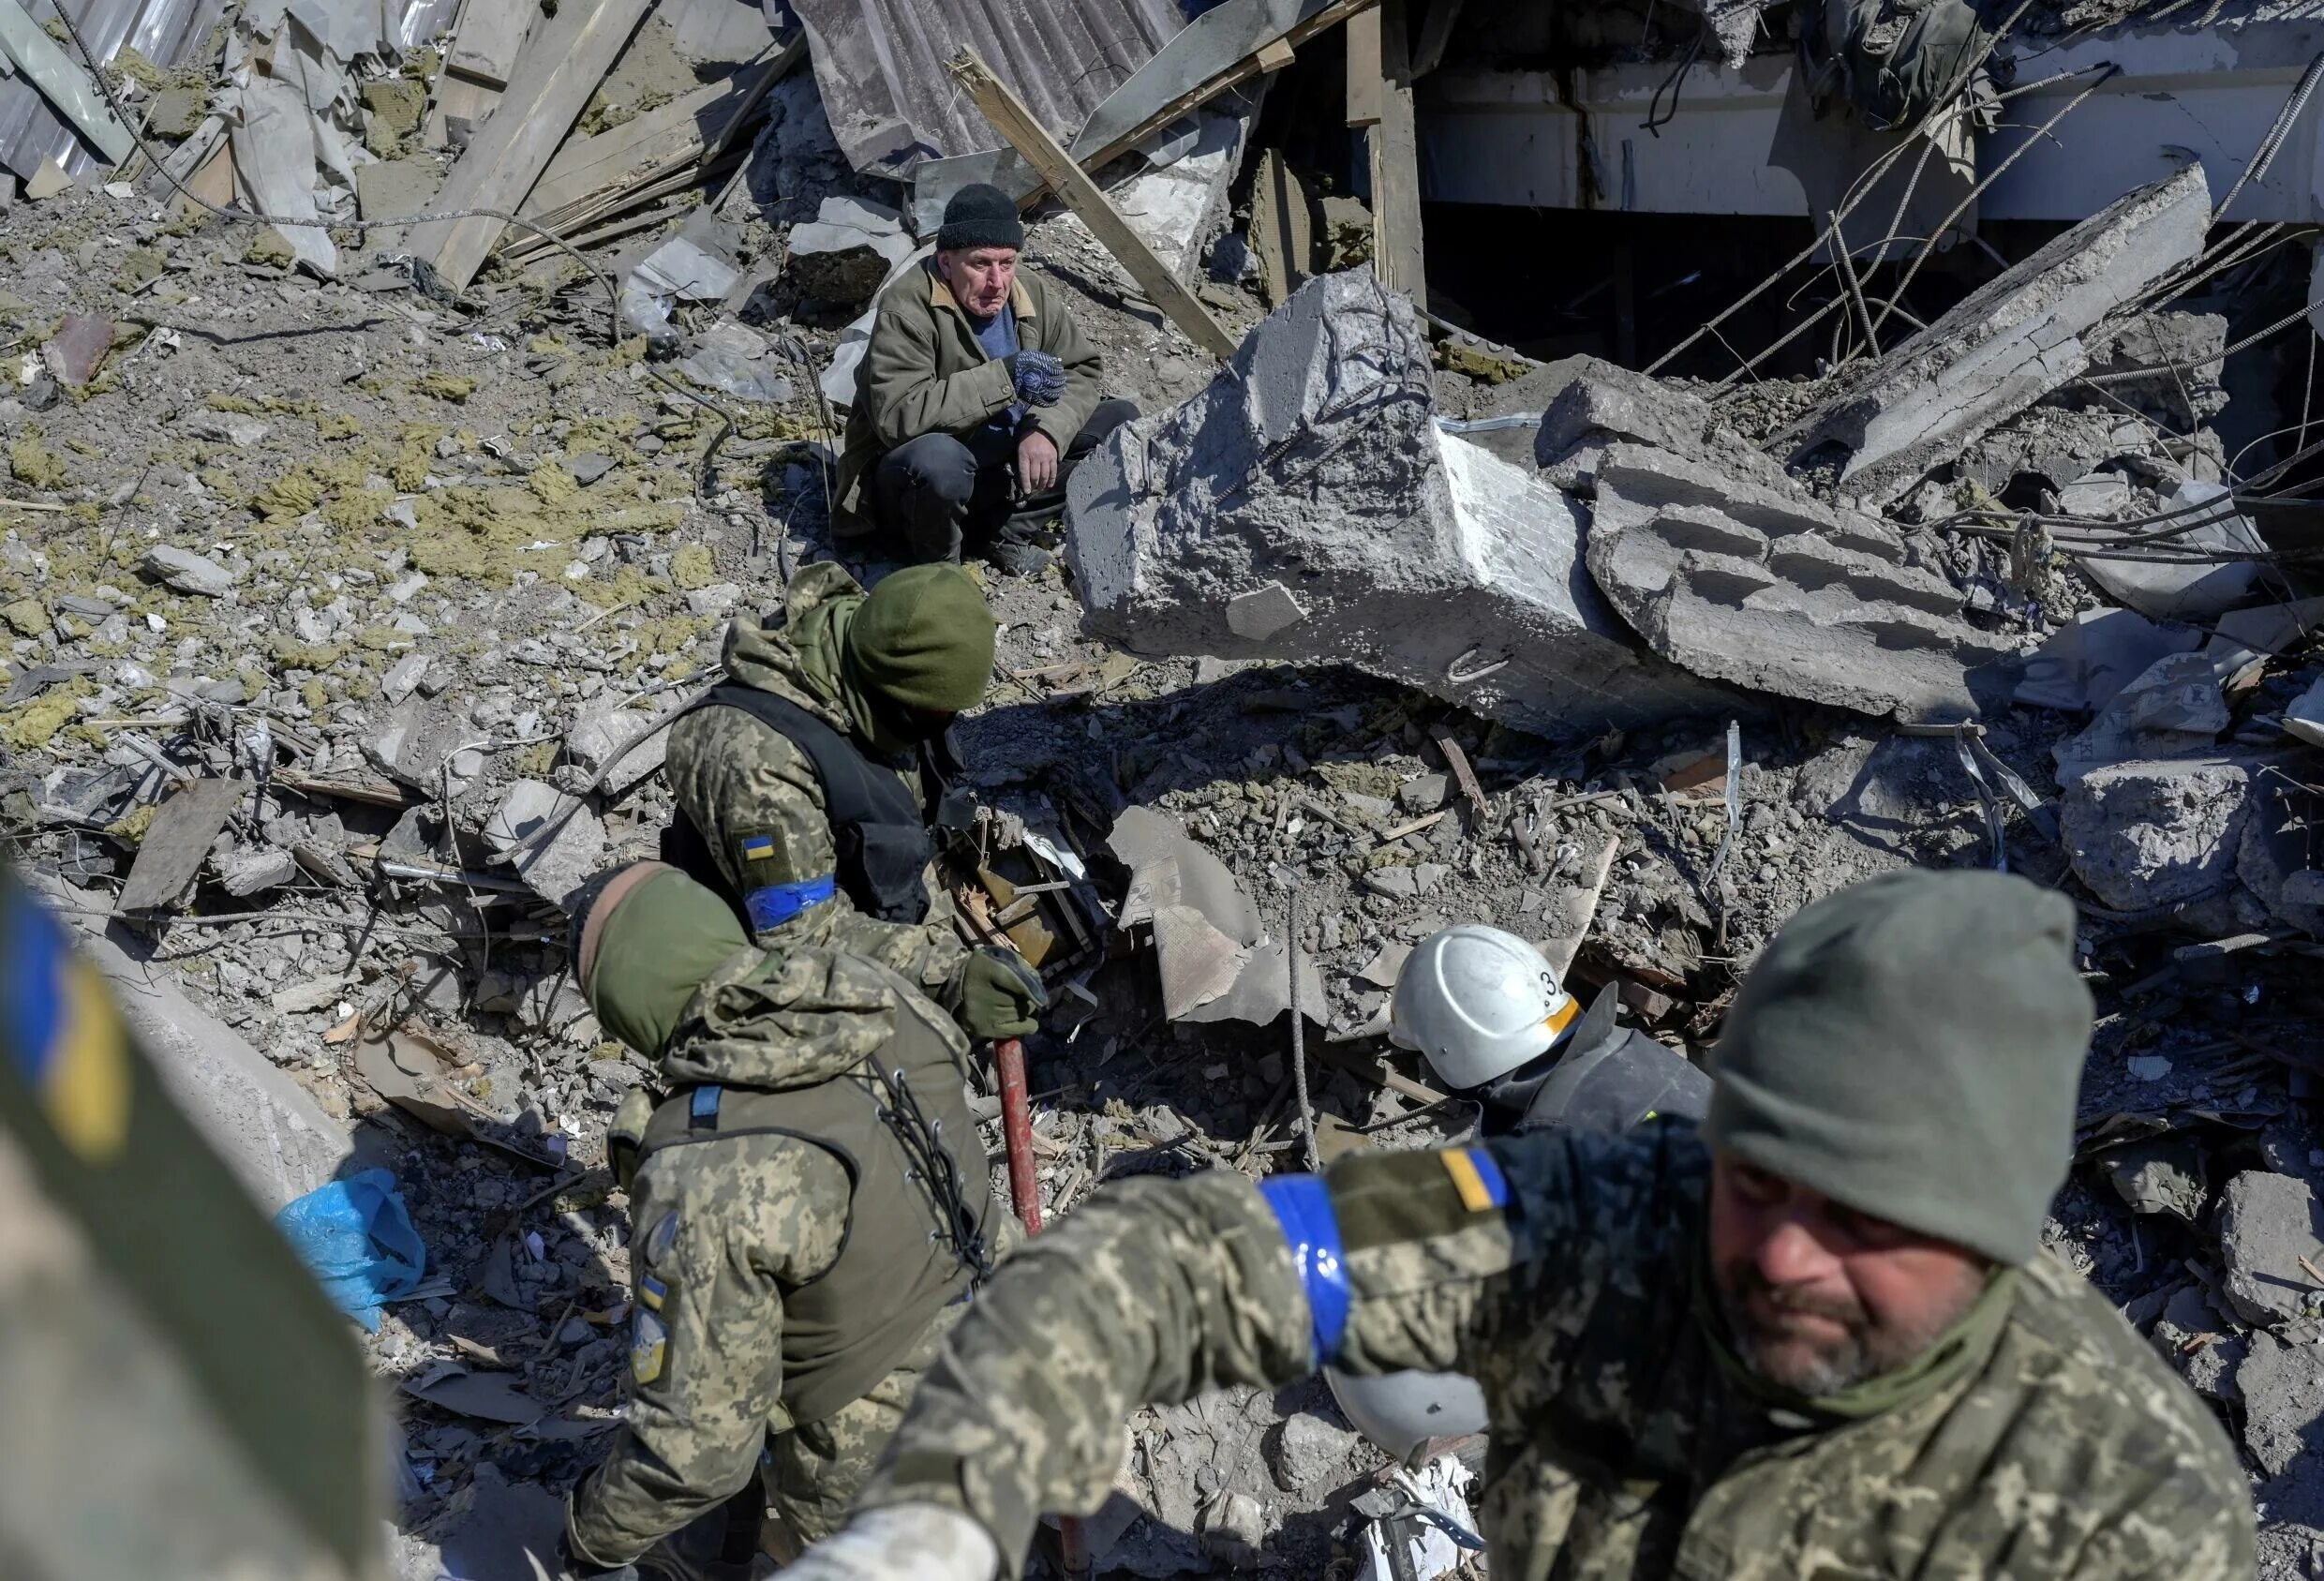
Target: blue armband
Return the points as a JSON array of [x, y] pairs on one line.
[[1302, 1207], [777, 904]]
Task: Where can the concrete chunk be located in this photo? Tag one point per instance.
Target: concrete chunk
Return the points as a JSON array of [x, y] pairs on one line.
[[1765, 587], [556, 867], [1601, 403], [1314, 463], [2004, 346], [185, 571], [2157, 834], [2267, 1224], [597, 735]]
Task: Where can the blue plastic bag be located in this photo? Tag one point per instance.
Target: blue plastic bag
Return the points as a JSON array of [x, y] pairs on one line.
[[357, 1237]]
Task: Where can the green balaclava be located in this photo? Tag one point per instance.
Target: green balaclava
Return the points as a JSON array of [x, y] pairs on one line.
[[1912, 1046], [921, 640], [649, 937]]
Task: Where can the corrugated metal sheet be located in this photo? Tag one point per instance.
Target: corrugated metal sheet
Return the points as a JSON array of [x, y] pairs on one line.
[[881, 66]]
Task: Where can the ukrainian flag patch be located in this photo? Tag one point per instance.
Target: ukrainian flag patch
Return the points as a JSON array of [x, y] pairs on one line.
[[66, 1037], [758, 847], [1477, 1178]]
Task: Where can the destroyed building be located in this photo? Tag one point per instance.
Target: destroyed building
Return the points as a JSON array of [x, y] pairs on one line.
[[1617, 473]]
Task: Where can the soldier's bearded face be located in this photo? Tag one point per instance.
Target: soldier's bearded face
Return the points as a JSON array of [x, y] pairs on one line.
[[1818, 1296]]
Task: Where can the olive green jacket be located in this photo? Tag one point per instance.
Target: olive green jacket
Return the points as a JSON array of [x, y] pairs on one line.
[[925, 373]]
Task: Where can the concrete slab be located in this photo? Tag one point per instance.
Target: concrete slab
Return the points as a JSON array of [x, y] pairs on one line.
[[2004, 346], [1313, 463]]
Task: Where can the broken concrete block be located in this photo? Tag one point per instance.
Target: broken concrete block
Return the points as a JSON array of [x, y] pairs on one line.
[[558, 867], [2173, 710], [2157, 834], [1314, 463], [2200, 1341], [176, 113], [2281, 1388], [2176, 358], [597, 735], [1766, 588], [75, 351], [403, 678], [1601, 404], [247, 873], [422, 744], [2179, 589], [846, 253], [186, 571], [2004, 346], [2267, 1226]]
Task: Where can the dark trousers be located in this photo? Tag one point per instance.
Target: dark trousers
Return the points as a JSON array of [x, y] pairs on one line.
[[936, 496]]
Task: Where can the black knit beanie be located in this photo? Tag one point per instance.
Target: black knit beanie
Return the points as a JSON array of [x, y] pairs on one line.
[[980, 215]]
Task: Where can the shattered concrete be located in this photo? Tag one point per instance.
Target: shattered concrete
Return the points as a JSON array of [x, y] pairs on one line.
[[1304, 506], [1765, 588], [2143, 835], [2174, 589], [2003, 347], [2268, 1226]]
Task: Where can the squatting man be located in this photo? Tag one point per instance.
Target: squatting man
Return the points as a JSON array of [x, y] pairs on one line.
[[1816, 1335]]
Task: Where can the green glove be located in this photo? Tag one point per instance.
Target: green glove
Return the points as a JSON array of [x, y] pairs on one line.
[[999, 994]]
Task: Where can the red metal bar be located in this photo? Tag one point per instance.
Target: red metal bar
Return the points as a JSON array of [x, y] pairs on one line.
[[1024, 1190]]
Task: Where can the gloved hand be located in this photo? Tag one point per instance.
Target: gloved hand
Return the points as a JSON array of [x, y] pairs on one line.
[[999, 994], [901, 1543], [1039, 378]]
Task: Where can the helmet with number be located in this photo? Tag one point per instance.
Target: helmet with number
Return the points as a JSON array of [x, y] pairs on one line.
[[1479, 1002]]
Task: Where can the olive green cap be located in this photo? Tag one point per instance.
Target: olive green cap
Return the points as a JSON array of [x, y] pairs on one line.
[[648, 936], [923, 639], [1912, 1046]]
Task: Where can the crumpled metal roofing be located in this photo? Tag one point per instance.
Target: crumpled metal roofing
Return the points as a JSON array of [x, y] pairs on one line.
[[880, 65]]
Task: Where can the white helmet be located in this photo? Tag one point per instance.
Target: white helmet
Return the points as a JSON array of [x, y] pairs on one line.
[[1399, 1411], [1479, 1002]]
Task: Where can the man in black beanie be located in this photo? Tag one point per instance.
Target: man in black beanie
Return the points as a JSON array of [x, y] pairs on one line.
[[975, 398]]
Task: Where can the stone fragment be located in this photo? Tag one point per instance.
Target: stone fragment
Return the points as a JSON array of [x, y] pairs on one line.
[[78, 348], [2201, 1342], [2157, 834], [1423, 792], [425, 745], [2003, 347], [2174, 709], [1314, 462], [175, 113], [403, 676], [2176, 358], [586, 470], [557, 867], [1262, 612], [2282, 1387], [1766, 588], [1601, 404], [2267, 1225], [597, 735], [1309, 1452], [247, 873], [185, 571]]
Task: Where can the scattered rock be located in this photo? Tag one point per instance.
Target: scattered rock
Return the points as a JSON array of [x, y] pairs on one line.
[[2267, 1225], [186, 571], [2157, 834]]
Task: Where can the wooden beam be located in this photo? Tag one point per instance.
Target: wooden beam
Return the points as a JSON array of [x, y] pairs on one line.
[[1365, 88], [1282, 230], [1202, 93], [491, 37], [1017, 126], [1272, 57], [562, 63], [1397, 254]]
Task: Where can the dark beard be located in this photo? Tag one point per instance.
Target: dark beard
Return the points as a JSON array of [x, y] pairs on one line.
[[1775, 1355]]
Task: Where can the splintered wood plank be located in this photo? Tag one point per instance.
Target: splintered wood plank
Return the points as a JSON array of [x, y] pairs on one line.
[[1397, 254], [176, 841], [562, 63], [491, 37], [1072, 184], [1365, 90]]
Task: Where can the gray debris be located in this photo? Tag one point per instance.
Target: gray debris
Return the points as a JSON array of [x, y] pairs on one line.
[[586, 470], [2173, 710], [2282, 1387], [2176, 356], [186, 571], [1601, 404], [595, 737], [1768, 588], [2084, 663], [425, 744], [2004, 346], [265, 867], [1308, 1450], [2157, 834], [2267, 1225], [2185, 591], [1314, 465], [558, 867]]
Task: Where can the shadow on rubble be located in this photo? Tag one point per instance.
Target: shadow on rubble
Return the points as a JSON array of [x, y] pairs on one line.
[[294, 331]]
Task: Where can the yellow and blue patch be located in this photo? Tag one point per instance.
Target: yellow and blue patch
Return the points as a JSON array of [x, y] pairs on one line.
[[1477, 1178], [63, 1034], [758, 847]]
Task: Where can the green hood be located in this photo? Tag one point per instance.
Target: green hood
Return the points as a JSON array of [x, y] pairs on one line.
[[802, 657], [649, 938]]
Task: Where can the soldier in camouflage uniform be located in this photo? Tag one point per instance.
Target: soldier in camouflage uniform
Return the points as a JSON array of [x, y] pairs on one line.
[[1817, 1339], [807, 784], [809, 1203]]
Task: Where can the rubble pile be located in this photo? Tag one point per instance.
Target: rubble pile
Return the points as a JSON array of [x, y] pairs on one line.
[[353, 580]]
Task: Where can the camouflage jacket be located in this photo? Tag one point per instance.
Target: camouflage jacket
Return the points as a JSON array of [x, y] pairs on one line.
[[739, 780], [722, 1237], [1562, 1282]]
